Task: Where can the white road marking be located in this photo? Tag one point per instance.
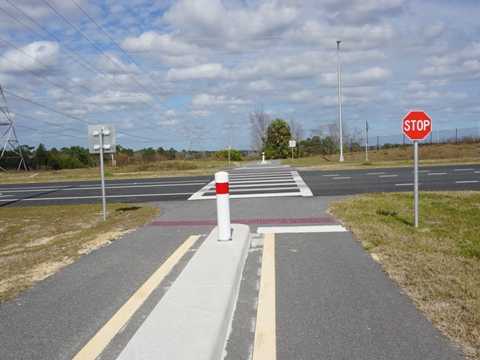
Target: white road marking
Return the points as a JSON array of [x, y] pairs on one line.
[[301, 229], [466, 182], [199, 194], [435, 174], [304, 189], [94, 187], [273, 183], [99, 197]]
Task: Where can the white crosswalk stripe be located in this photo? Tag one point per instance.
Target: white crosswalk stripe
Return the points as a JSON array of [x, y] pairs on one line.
[[250, 182]]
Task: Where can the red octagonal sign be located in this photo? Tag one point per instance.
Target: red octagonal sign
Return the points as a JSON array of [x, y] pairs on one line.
[[416, 125]]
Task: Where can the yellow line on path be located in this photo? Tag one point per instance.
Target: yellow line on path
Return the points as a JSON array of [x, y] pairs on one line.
[[99, 342], [265, 344]]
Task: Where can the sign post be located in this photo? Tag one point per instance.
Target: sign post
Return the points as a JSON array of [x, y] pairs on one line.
[[366, 142], [101, 140], [416, 126], [292, 144]]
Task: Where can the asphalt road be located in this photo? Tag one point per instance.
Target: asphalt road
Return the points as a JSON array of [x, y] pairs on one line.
[[320, 183], [431, 178]]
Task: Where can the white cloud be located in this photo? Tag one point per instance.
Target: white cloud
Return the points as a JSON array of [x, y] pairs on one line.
[[217, 100], [38, 55], [203, 71], [211, 18], [191, 64], [373, 75]]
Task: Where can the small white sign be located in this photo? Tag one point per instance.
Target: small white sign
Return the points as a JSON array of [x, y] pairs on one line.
[[108, 138], [292, 143]]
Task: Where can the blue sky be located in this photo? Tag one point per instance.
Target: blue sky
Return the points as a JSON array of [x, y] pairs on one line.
[[186, 74]]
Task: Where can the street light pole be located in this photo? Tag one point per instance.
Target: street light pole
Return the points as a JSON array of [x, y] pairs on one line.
[[340, 101]]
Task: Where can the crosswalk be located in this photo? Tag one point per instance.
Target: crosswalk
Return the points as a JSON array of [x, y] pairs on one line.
[[259, 181]]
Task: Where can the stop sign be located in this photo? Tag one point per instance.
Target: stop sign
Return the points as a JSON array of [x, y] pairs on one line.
[[416, 125]]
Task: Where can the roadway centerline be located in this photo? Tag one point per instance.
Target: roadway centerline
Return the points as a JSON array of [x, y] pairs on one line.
[[99, 342]]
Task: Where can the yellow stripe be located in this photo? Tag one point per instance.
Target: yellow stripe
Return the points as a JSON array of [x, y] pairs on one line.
[[99, 342], [265, 345]]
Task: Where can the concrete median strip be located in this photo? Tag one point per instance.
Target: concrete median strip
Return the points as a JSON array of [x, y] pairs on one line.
[[100, 341], [191, 321]]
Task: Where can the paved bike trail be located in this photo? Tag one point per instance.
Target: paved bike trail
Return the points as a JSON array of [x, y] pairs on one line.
[[332, 299]]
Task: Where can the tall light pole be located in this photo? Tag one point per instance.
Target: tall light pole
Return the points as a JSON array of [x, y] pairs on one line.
[[340, 101]]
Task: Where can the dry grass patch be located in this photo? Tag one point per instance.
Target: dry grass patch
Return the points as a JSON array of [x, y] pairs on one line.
[[436, 264], [35, 242], [157, 169]]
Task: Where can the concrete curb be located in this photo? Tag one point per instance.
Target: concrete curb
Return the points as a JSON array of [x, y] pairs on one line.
[[191, 321]]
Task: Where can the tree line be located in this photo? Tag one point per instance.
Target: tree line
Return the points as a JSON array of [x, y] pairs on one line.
[[272, 137]]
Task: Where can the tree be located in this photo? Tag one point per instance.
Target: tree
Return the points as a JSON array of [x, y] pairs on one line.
[[41, 156], [259, 121], [235, 155], [148, 155], [80, 155], [128, 152], [330, 134], [168, 154], [296, 129], [278, 137]]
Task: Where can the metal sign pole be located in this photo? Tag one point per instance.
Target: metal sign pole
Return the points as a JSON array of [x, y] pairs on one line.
[[366, 143], [103, 176], [415, 145]]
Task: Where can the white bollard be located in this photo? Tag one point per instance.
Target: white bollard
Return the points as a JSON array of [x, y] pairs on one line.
[[223, 206], [263, 157]]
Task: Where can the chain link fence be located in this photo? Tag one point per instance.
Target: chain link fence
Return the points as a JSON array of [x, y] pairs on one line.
[[436, 137]]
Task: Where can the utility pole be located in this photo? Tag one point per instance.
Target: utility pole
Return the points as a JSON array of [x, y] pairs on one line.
[[340, 101], [366, 143], [11, 147]]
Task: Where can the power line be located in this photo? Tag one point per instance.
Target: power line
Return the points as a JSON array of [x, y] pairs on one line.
[[143, 70], [105, 77]]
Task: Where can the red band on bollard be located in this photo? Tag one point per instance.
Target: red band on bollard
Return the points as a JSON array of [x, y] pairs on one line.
[[221, 188]]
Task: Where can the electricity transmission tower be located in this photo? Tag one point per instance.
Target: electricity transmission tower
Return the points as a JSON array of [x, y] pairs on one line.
[[8, 139]]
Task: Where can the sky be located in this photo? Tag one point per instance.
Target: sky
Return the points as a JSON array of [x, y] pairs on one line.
[[186, 74]]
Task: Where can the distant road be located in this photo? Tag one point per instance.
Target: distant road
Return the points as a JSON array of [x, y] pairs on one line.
[[431, 178], [90, 192], [260, 181]]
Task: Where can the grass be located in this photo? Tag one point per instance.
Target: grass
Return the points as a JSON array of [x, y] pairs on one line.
[[428, 155], [38, 241], [436, 264], [402, 156], [157, 169]]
